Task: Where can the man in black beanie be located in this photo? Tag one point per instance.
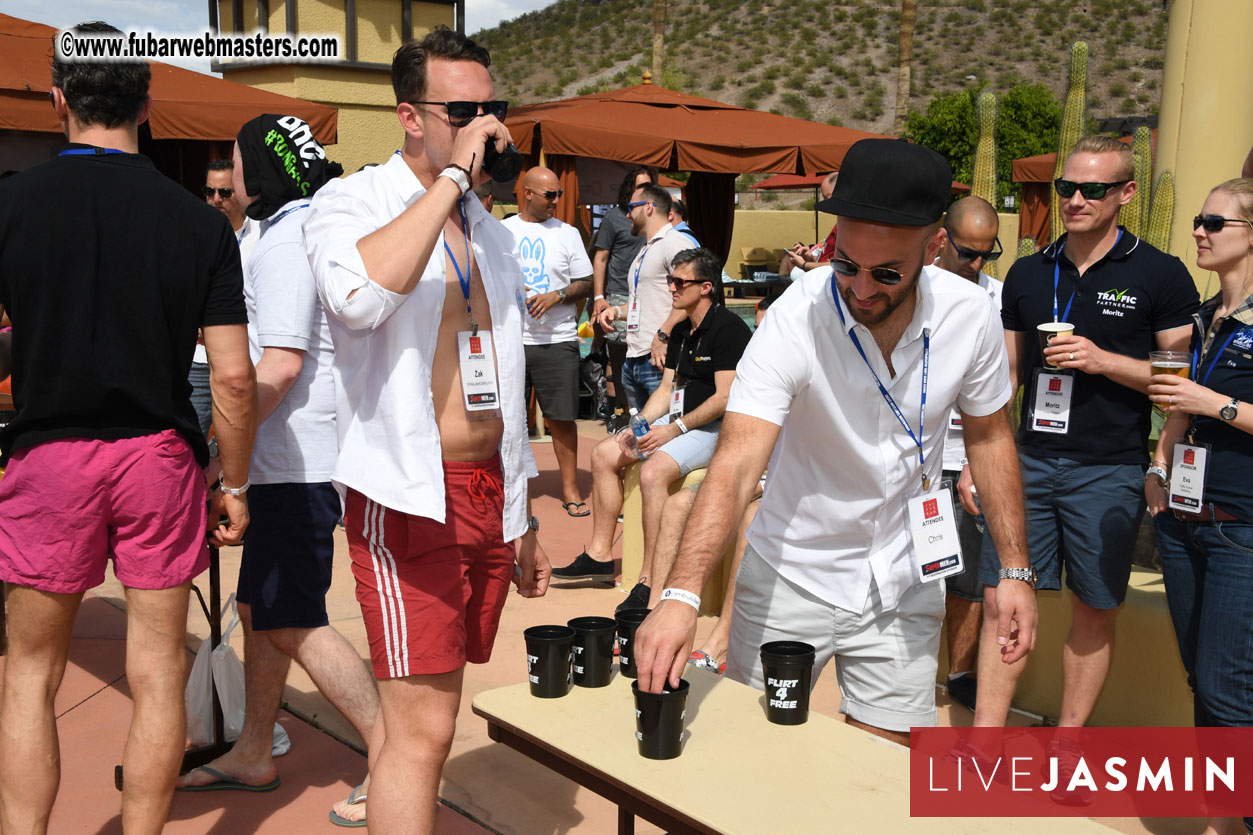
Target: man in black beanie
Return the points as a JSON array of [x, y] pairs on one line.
[[855, 528]]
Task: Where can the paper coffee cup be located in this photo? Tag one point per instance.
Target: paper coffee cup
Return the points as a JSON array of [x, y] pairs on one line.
[[1049, 331]]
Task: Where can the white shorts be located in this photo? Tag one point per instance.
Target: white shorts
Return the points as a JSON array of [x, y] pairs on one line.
[[886, 662]]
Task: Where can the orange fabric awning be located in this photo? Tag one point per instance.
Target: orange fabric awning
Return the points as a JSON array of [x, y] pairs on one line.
[[651, 125], [796, 181], [185, 104]]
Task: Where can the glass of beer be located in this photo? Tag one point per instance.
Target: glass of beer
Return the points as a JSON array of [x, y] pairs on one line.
[[1050, 330], [1170, 362]]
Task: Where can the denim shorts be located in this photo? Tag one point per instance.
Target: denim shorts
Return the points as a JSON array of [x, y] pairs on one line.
[[694, 449], [1084, 517], [285, 570], [640, 378]]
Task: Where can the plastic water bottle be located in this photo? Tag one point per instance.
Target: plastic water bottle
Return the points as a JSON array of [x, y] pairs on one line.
[[639, 428], [542, 319]]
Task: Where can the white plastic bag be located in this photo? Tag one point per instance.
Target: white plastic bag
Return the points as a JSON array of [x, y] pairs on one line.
[[222, 668]]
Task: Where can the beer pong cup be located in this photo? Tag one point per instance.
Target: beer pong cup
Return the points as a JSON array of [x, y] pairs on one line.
[[548, 660], [659, 720], [628, 621], [1050, 330], [592, 658], [1178, 363], [787, 669]]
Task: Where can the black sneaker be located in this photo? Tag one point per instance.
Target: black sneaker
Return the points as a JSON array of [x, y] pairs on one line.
[[586, 568], [637, 599], [962, 689]]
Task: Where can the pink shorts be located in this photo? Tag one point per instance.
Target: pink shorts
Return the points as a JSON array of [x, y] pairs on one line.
[[66, 506], [431, 594]]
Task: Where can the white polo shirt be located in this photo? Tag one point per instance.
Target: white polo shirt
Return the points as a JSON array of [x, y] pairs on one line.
[[651, 266], [833, 514], [955, 443], [389, 445]]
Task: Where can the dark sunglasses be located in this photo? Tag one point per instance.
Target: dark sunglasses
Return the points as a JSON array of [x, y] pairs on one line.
[[967, 255], [1213, 223], [1090, 191], [551, 195], [225, 193], [883, 275], [633, 206], [675, 281], [461, 113]]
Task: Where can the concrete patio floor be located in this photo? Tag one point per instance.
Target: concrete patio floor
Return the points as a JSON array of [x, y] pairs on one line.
[[486, 787]]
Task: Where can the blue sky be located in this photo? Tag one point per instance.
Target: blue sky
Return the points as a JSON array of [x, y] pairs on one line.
[[193, 15]]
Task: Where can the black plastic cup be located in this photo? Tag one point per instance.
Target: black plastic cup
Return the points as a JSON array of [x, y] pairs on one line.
[[787, 669], [659, 719], [548, 660], [592, 658], [628, 621]]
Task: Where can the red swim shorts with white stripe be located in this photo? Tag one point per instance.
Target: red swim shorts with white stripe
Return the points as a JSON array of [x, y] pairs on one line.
[[432, 594]]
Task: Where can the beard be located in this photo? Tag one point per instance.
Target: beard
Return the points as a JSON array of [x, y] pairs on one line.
[[869, 318]]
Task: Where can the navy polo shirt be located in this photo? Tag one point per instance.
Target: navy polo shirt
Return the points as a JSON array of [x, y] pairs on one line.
[[695, 356], [1231, 450], [1120, 303]]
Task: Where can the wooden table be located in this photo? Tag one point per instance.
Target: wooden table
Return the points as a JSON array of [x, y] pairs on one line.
[[738, 773]]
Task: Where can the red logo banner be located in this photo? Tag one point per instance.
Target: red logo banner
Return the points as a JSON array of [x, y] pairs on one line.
[[1080, 772], [930, 508], [476, 345], [1189, 457], [1055, 384]]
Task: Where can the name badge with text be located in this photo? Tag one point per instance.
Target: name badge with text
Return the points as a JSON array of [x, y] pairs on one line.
[[954, 421], [676, 402], [1052, 402], [937, 552], [633, 316], [478, 374], [1187, 477]]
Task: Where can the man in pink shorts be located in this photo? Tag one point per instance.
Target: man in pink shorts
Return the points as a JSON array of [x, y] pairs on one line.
[[425, 305], [106, 286]]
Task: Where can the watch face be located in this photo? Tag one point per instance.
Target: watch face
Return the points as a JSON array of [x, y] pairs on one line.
[[1228, 412]]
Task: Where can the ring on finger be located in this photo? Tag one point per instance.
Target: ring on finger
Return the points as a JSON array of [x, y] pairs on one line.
[[1072, 356]]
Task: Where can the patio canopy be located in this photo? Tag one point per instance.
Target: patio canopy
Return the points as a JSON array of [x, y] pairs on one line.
[[185, 104]]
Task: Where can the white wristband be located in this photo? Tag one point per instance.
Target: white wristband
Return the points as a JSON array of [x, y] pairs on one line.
[[682, 426], [234, 491], [457, 176], [598, 298], [684, 595]]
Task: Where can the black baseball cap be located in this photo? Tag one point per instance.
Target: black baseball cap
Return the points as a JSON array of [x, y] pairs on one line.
[[891, 181]]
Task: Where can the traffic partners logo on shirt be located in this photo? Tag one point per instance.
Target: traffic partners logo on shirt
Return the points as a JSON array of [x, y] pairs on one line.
[[1114, 302]]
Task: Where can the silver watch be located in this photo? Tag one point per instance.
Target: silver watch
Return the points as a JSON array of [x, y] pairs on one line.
[[1027, 575], [1228, 412], [561, 294]]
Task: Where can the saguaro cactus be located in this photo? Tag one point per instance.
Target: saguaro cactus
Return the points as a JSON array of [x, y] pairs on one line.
[[1135, 215], [1161, 212], [1074, 117], [984, 184], [1026, 246]]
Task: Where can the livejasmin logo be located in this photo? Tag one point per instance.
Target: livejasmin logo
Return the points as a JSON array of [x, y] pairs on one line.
[[1083, 772]]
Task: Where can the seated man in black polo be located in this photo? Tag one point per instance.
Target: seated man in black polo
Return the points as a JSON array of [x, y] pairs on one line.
[[685, 413]]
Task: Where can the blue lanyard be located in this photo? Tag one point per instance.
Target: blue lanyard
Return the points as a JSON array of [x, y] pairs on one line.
[[99, 152], [270, 223], [896, 410], [1057, 271], [463, 279], [1196, 358], [643, 252]]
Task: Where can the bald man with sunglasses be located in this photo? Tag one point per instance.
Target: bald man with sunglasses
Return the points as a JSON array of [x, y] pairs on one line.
[[845, 390]]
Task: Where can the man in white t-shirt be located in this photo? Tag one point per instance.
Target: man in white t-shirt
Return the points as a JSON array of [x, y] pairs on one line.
[[558, 274], [649, 311], [285, 571], [971, 228], [840, 553]]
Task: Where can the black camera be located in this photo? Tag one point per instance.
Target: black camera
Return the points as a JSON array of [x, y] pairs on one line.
[[503, 166]]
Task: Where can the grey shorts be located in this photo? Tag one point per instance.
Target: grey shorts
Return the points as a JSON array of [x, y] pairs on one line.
[[553, 371], [694, 450], [885, 661], [619, 333]]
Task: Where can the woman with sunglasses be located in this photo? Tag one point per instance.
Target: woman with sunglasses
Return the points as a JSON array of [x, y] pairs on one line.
[[1207, 552]]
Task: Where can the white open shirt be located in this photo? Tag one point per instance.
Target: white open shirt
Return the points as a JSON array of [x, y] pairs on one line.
[[833, 514], [389, 445]]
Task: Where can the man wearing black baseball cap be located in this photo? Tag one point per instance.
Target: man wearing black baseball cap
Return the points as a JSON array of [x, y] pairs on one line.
[[846, 390]]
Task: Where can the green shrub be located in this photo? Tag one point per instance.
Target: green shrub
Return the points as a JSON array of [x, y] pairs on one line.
[[797, 105]]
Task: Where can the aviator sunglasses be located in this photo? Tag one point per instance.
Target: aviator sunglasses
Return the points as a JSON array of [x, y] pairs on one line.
[[1090, 191], [1213, 223], [224, 193], [461, 113], [884, 275]]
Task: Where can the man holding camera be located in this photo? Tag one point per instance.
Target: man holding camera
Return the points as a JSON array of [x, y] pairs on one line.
[[424, 300]]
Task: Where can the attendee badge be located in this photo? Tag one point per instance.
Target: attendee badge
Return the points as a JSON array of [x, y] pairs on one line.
[[676, 402], [1051, 401], [633, 315], [937, 551], [954, 421], [478, 374], [1187, 477]]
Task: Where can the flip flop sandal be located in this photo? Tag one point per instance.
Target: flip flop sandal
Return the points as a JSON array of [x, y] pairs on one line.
[[354, 797], [227, 783], [586, 510]]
